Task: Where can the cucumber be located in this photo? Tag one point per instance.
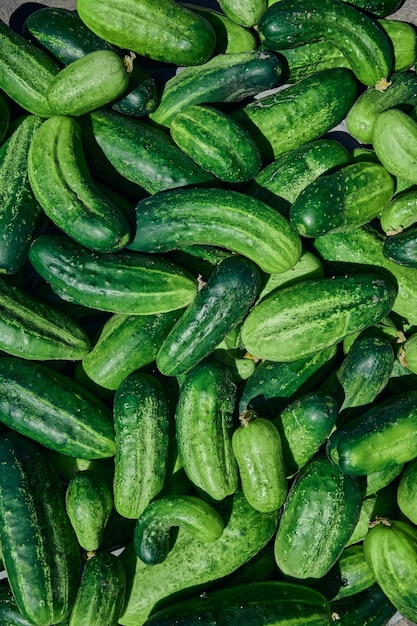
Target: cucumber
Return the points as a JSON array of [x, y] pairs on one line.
[[119, 282], [219, 306], [402, 248], [324, 504], [318, 102], [169, 32], [408, 353], [379, 8], [61, 181], [309, 266], [244, 12], [406, 492], [151, 537], [370, 607], [223, 218], [343, 200], [399, 154], [400, 213], [364, 42], [4, 118], [50, 408], [142, 426], [296, 321], [404, 42], [39, 548], [9, 612], [20, 212]]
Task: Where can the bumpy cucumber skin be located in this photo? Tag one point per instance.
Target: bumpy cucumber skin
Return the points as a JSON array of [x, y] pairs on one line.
[[306, 317], [164, 32], [204, 428], [39, 547], [219, 217], [218, 307], [322, 503], [394, 139], [364, 42], [119, 282], [50, 408], [141, 421]]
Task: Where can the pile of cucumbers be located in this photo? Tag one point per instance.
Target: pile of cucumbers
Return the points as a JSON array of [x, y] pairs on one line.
[[208, 314]]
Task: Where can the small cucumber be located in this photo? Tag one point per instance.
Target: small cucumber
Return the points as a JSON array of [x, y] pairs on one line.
[[244, 12], [400, 213], [407, 491], [402, 247], [378, 8], [398, 151]]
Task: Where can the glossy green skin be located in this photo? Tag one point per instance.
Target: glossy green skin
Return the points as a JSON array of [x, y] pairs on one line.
[[244, 12], [53, 410], [224, 78], [410, 352], [20, 211], [309, 266], [166, 32], [217, 143], [32, 329], [220, 304], [394, 139], [362, 249], [383, 436], [126, 343], [379, 8], [264, 603], [220, 217], [406, 491], [204, 428], [145, 285], [402, 247], [62, 184], [39, 547], [309, 316], [370, 607], [191, 562], [343, 200], [92, 606], [402, 90], [400, 213], [151, 538], [285, 120], [322, 503], [391, 551], [141, 421], [258, 451], [88, 502], [364, 42], [26, 72], [4, 117], [404, 42], [9, 612]]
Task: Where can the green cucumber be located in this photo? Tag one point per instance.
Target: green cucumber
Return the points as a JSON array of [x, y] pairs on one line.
[[258, 451], [257, 604], [309, 266], [403, 36], [408, 352], [370, 607], [220, 304], [104, 571], [343, 200], [401, 248], [318, 103], [51, 408], [118, 282], [204, 429], [364, 42], [220, 217], [298, 320], [244, 12], [168, 32], [88, 502], [397, 153], [324, 504], [9, 612], [151, 537], [62, 184], [379, 8], [39, 548], [141, 420], [31, 329], [407, 492], [400, 213], [4, 118]]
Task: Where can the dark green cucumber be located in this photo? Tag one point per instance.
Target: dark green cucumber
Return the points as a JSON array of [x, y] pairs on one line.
[[257, 604], [39, 547], [151, 537], [318, 103], [220, 304], [382, 437], [378, 8], [51, 408], [32, 329], [398, 152], [88, 502], [104, 571], [364, 42], [169, 32], [118, 282], [192, 563], [9, 611], [141, 421], [20, 212], [224, 78], [26, 72], [220, 217], [401, 248], [324, 504], [204, 428], [62, 184], [406, 491], [370, 607], [400, 213], [244, 12], [298, 320]]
